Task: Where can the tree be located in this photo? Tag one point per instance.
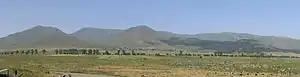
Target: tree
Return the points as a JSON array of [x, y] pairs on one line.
[[106, 53], [32, 51], [97, 52], [11, 53], [27, 52], [123, 52], [36, 51], [243, 55], [218, 53], [157, 54], [44, 51], [132, 52], [94, 52], [65, 51], [185, 54], [60, 51], [194, 54], [69, 51], [118, 53], [56, 51], [90, 51], [84, 51], [73, 51], [17, 52], [180, 53], [199, 55], [261, 54], [22, 52], [77, 51], [143, 54]]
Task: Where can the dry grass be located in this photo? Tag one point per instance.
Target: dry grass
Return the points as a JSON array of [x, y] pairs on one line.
[[151, 66], [131, 71]]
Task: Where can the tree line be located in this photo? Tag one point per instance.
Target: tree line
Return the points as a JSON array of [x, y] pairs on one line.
[[88, 52], [25, 52], [95, 52], [133, 52], [247, 54]]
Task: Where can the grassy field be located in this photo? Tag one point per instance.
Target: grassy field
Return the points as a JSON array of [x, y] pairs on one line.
[[152, 66]]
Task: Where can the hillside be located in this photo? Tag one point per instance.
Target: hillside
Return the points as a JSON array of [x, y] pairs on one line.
[[95, 35], [242, 45], [280, 42], [135, 37], [41, 37], [139, 36]]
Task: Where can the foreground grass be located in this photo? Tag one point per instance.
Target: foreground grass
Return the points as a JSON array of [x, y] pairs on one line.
[[154, 66]]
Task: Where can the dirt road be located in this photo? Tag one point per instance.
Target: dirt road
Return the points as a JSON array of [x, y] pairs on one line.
[[86, 75]]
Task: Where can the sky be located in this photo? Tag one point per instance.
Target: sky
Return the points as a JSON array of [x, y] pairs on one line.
[[262, 17]]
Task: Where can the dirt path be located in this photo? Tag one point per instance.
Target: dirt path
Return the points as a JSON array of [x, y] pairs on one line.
[[86, 75]]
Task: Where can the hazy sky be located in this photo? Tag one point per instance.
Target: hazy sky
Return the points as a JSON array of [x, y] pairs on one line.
[[263, 17]]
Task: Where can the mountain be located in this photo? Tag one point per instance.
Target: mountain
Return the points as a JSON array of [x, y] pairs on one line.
[[95, 35], [279, 42], [136, 37], [139, 36], [225, 36], [41, 37], [245, 45]]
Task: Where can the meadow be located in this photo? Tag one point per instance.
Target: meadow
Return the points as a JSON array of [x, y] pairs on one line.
[[152, 66]]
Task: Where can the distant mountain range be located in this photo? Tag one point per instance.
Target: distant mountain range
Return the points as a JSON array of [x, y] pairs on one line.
[[139, 36]]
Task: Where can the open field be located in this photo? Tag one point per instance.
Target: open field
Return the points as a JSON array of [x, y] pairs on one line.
[[152, 66]]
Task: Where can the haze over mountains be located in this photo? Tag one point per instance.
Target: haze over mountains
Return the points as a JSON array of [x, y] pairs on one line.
[[139, 36]]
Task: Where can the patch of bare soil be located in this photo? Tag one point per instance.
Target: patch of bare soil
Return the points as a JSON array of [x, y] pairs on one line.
[[81, 75]]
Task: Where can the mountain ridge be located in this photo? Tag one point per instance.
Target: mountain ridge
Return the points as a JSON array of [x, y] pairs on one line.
[[138, 36], [227, 36], [41, 36], [161, 31]]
